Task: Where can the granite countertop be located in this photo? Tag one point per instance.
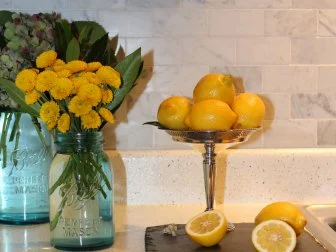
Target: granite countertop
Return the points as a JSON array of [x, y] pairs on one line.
[[131, 222]]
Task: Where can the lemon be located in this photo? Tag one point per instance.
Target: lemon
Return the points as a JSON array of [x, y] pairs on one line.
[[173, 111], [215, 86], [207, 228], [250, 110], [210, 115], [274, 236], [284, 211]]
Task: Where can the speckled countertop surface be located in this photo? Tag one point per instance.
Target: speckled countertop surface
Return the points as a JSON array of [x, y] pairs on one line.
[[162, 187], [244, 176], [131, 222]]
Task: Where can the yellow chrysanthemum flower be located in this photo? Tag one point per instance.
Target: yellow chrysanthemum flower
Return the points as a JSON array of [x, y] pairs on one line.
[[49, 114], [106, 115], [32, 97], [91, 120], [109, 76], [107, 96], [59, 65], [63, 123], [79, 107], [45, 80], [25, 80], [46, 59], [90, 93], [65, 73], [76, 66], [35, 70], [62, 88], [91, 77], [93, 66], [78, 81]]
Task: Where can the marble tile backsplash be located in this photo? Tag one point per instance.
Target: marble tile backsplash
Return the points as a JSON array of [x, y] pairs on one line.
[[284, 50]]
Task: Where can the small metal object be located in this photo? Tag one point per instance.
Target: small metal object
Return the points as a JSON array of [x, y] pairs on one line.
[[230, 227], [171, 229], [209, 138]]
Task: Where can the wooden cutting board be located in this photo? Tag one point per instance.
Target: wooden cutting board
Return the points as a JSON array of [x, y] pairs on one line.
[[236, 241]]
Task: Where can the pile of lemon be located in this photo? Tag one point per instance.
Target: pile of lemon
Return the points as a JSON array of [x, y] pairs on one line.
[[277, 226], [214, 106]]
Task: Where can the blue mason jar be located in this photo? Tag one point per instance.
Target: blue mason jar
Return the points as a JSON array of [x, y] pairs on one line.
[[81, 193], [25, 157]]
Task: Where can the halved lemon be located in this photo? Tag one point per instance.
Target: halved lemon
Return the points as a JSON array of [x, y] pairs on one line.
[[207, 228], [274, 236]]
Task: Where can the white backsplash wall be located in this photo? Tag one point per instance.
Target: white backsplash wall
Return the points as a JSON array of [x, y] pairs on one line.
[[285, 50]]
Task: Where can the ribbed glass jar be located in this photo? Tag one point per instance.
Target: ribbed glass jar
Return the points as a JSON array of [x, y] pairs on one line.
[[81, 197], [24, 166]]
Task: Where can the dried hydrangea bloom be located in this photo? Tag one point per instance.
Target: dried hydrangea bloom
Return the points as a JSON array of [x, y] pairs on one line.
[[31, 34]]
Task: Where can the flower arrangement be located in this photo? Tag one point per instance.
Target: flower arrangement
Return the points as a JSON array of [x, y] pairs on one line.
[[73, 96], [22, 37], [74, 88]]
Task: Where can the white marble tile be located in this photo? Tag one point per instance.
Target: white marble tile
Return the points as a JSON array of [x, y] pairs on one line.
[[128, 136], [151, 4], [327, 23], [290, 23], [193, 3], [246, 22], [263, 4], [277, 106], [163, 141], [115, 22], [177, 80], [248, 4], [321, 50], [6, 4], [263, 51], [289, 79], [220, 3], [289, 133], [127, 23], [180, 22], [143, 107], [157, 51], [326, 132], [214, 51], [80, 15], [314, 4], [96, 5], [140, 23], [326, 79], [144, 83], [321, 105], [38, 5], [246, 78]]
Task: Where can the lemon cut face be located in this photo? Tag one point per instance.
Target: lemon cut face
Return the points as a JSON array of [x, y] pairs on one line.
[[207, 228], [284, 211], [274, 236]]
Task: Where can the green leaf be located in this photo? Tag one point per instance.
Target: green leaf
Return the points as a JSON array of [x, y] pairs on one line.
[[67, 30], [5, 16], [129, 69], [97, 30], [18, 97], [97, 51], [156, 124], [60, 41], [73, 50], [3, 42], [84, 35]]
